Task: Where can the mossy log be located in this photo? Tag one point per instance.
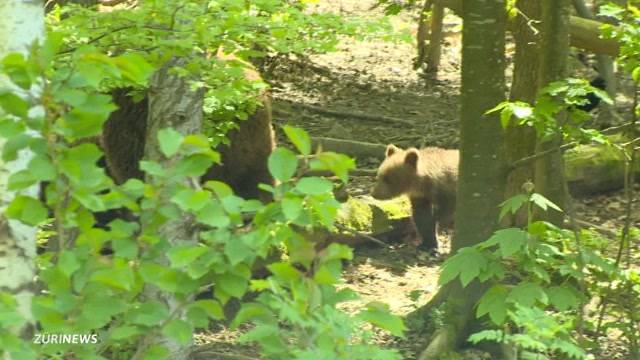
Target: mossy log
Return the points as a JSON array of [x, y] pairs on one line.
[[595, 168], [363, 218]]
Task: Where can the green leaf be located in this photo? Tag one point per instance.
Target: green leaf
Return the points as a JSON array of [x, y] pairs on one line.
[[493, 303], [299, 138], [169, 141], [221, 189], [509, 240], [611, 10], [232, 284], [97, 311], [291, 207], [156, 352], [513, 204], [124, 332], [314, 185], [490, 335], [562, 297], [68, 263], [213, 215], [635, 75], [13, 104], [282, 164], [339, 164], [120, 276], [165, 278], [41, 168], [522, 110], [328, 273], [134, 67], [178, 330], [87, 119], [150, 313], [194, 165], [526, 294], [284, 271], [183, 255], [17, 68], [378, 314], [237, 251], [211, 307], [543, 203], [27, 210], [466, 263], [191, 200]]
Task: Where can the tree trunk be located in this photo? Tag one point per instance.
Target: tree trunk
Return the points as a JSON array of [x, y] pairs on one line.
[[173, 104], [482, 160], [435, 40], [422, 34], [521, 140], [21, 23], [549, 170], [605, 67]]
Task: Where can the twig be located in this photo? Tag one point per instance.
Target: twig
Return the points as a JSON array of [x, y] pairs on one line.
[[600, 229], [358, 233], [567, 146], [528, 159], [92, 40], [172, 23]]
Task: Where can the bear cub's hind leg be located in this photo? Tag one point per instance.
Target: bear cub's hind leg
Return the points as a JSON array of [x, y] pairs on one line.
[[425, 222]]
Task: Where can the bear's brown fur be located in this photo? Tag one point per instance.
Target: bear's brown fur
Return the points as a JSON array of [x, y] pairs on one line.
[[244, 160], [429, 177]]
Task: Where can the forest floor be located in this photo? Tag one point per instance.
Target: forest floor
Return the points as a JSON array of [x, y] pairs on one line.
[[377, 78]]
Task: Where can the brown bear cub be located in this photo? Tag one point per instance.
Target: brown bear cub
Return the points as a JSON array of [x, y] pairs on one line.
[[429, 177]]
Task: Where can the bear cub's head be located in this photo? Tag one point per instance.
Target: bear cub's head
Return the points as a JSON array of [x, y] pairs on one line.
[[397, 174]]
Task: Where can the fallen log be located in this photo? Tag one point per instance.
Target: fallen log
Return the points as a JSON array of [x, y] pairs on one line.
[[595, 168], [356, 149], [590, 169]]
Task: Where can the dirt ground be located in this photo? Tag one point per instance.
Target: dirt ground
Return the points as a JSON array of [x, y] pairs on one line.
[[377, 78]]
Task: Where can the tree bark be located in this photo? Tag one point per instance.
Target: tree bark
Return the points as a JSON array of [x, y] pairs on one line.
[[435, 40], [21, 23], [605, 66], [422, 34], [173, 104], [549, 175], [521, 140], [482, 160]]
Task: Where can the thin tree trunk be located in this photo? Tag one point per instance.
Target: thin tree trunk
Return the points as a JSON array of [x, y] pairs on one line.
[[21, 23], [435, 40], [605, 66], [482, 160], [173, 104], [549, 170], [422, 34], [521, 140]]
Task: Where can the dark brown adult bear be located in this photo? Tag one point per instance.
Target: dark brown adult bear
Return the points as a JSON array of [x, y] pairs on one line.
[[244, 160], [429, 178]]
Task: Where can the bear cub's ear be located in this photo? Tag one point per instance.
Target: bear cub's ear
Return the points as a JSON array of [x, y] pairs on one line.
[[411, 158], [392, 149]]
